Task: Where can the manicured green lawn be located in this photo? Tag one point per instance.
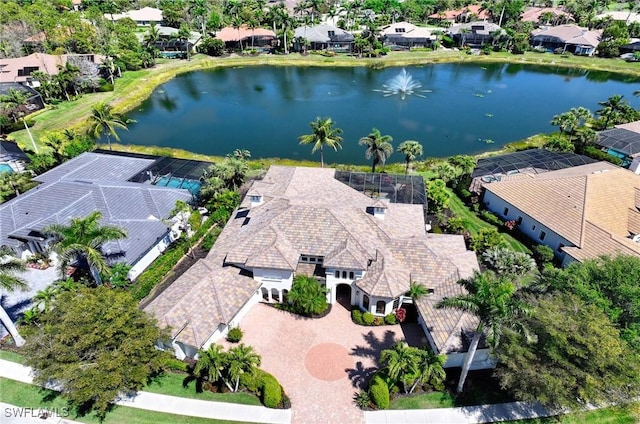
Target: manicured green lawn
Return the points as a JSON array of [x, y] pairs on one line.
[[431, 400], [172, 384], [11, 356], [27, 395], [624, 415], [473, 224]]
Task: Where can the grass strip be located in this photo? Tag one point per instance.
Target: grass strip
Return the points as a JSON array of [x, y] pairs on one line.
[[431, 400], [30, 396], [629, 414], [7, 355]]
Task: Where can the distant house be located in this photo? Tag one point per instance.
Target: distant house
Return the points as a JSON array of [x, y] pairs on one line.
[[581, 212], [245, 36], [540, 15], [168, 41], [34, 99], [307, 221], [406, 35], [570, 38], [95, 182], [20, 69], [627, 17], [142, 17], [474, 33], [12, 156], [623, 142], [323, 37], [473, 12]]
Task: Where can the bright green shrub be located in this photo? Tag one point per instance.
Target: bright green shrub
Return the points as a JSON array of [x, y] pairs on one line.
[[379, 393], [271, 391], [368, 318], [491, 218], [356, 316], [253, 382], [234, 335], [390, 319], [174, 364]]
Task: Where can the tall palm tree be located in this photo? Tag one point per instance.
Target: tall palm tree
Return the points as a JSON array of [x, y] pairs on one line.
[[491, 299], [81, 240], [612, 108], [241, 359], [323, 134], [10, 282], [417, 291], [66, 78], [150, 39], [103, 119], [430, 368], [211, 364], [401, 363], [378, 147], [411, 150], [13, 102]]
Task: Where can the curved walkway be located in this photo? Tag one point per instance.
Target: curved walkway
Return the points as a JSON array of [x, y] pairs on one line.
[[173, 404]]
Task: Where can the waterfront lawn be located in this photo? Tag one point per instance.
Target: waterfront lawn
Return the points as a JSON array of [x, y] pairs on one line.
[[615, 415], [30, 396], [431, 400], [7, 355], [172, 384], [473, 223]]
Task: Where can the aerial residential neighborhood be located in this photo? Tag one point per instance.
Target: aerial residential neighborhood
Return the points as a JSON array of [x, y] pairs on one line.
[[310, 211]]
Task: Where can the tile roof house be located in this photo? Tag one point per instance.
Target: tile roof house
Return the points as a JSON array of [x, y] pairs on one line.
[[305, 221], [628, 17], [569, 37], [324, 37], [88, 183], [538, 14], [580, 212], [257, 37], [474, 33], [19, 69], [405, 34], [471, 12], [144, 16], [623, 141]]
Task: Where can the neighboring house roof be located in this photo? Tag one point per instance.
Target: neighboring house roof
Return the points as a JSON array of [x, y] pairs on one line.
[[170, 32], [231, 34], [481, 28], [10, 151], [406, 30], [94, 182], [146, 14], [320, 34], [620, 16], [622, 139], [630, 126], [568, 34], [472, 9], [47, 63], [596, 207], [532, 14], [307, 211]]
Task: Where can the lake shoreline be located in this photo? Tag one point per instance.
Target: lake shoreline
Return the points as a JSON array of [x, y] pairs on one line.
[[136, 86]]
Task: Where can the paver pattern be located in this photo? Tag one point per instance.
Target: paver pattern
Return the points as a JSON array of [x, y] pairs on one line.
[[292, 347]]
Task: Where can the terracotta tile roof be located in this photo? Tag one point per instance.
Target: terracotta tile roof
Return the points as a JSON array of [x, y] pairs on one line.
[[231, 34], [568, 34], [532, 14], [593, 206], [47, 63], [472, 9], [631, 126]]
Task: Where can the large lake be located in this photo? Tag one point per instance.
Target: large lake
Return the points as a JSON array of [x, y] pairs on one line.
[[460, 108]]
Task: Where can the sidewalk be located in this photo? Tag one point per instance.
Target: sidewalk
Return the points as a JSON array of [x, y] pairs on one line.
[[175, 405]]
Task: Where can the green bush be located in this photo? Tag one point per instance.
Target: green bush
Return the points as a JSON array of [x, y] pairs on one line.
[[491, 218], [271, 391], [390, 319], [253, 382], [356, 316], [106, 87], [379, 393], [595, 153], [174, 364], [543, 254], [234, 335], [368, 318]]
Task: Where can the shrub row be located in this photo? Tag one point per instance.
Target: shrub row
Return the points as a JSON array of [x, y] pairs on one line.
[[264, 385], [379, 392], [367, 318]]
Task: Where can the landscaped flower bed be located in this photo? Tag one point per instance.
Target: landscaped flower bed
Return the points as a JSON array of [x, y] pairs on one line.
[[368, 319]]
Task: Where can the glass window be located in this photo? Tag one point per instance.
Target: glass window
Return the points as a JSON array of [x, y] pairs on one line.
[[505, 211], [344, 275], [337, 274], [351, 275], [542, 235], [380, 305], [533, 227], [365, 302], [519, 220]]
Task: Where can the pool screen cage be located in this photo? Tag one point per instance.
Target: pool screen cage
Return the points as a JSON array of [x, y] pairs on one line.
[[536, 160], [390, 187]]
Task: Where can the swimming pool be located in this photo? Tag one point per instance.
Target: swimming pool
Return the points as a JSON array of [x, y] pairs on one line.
[[174, 182], [5, 167]]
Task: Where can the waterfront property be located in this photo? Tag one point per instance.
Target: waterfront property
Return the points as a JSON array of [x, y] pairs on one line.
[[142, 17], [404, 35], [12, 158], [304, 221], [623, 142], [581, 212], [20, 69], [323, 37], [475, 33], [245, 37], [95, 182], [569, 38]]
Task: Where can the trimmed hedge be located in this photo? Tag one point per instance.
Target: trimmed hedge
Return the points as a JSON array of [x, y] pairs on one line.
[[390, 319], [379, 392], [368, 318], [234, 335], [271, 391], [356, 316]]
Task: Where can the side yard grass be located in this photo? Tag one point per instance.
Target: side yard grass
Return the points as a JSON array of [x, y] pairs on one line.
[[430, 400], [615, 415], [30, 396], [11, 356]]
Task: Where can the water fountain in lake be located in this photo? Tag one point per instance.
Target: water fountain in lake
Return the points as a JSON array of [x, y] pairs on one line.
[[403, 85]]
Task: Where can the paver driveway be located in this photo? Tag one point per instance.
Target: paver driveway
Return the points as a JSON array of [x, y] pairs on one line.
[[319, 362]]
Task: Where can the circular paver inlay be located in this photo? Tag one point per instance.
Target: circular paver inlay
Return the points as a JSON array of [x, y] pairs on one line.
[[328, 361]]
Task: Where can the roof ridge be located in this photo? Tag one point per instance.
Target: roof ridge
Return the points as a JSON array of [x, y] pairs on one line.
[[584, 210], [215, 289]]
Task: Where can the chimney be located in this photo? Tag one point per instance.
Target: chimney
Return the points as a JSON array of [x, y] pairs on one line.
[[379, 209]]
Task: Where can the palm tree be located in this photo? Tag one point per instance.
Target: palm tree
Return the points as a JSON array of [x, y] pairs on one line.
[[491, 299], [66, 78], [150, 39], [323, 134], [13, 102], [378, 147], [430, 368], [43, 298], [104, 119], [401, 363], [80, 242], [10, 282], [566, 122], [211, 364], [13, 184], [241, 359], [410, 149], [183, 35], [417, 291], [612, 108]]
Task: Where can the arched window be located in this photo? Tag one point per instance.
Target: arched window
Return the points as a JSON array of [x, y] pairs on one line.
[[380, 305], [337, 274], [350, 275], [365, 302], [344, 274]]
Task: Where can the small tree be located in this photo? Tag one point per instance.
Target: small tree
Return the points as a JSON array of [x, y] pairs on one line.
[[307, 296], [379, 147], [411, 150], [323, 134]]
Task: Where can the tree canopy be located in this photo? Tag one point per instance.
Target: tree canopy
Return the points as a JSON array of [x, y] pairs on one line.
[[96, 344]]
